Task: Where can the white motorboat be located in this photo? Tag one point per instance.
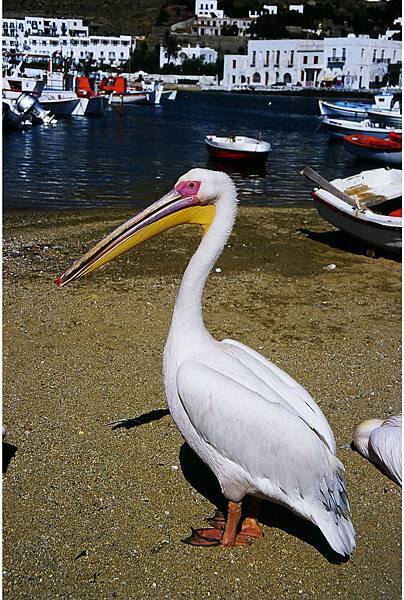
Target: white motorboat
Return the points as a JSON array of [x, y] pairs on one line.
[[237, 148], [367, 205], [60, 103], [387, 111], [340, 127]]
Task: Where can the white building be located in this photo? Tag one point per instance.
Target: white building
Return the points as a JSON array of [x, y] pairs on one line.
[[211, 21], [297, 7], [69, 37], [207, 55], [267, 9], [207, 9], [355, 62]]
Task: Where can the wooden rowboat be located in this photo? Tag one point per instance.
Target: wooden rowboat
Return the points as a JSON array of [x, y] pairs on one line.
[[367, 205]]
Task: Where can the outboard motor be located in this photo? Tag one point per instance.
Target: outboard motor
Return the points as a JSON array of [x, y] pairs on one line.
[[29, 105]]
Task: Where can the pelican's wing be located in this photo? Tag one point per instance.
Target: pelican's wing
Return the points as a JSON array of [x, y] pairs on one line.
[[385, 447], [291, 393], [265, 447]]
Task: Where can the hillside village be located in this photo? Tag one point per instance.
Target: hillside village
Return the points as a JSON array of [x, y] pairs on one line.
[[236, 44]]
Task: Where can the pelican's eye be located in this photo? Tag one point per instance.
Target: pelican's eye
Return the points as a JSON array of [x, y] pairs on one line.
[[188, 188]]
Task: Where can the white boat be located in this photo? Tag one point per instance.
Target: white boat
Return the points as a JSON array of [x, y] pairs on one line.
[[340, 127], [388, 110], [386, 107], [366, 205], [118, 92], [59, 103], [237, 148], [344, 108]]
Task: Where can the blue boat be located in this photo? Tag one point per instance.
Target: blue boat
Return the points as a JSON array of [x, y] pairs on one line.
[[344, 108]]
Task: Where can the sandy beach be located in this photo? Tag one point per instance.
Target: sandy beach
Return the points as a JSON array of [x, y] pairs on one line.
[[99, 489]]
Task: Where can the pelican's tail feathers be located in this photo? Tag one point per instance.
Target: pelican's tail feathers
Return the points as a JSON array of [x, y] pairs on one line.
[[332, 515]]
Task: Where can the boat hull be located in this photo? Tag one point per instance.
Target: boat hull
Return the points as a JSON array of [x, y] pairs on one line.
[[338, 128], [390, 118], [237, 149], [60, 107], [90, 106], [129, 98], [385, 237], [378, 156], [237, 155], [343, 109]]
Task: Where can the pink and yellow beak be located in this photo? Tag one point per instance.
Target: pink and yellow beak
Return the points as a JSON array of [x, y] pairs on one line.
[[175, 208]]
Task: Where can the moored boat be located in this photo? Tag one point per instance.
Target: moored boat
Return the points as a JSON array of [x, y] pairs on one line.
[[237, 148], [61, 104], [118, 92], [383, 150], [340, 127], [344, 108], [366, 205]]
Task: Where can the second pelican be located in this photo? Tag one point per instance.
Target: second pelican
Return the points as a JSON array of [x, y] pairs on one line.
[[257, 429]]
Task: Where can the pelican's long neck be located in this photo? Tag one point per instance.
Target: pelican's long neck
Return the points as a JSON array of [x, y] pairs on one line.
[[188, 317]]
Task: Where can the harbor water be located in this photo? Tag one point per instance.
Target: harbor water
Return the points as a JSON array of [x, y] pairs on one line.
[[133, 154]]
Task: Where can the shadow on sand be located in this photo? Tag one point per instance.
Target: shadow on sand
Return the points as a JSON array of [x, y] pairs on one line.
[[343, 241], [9, 451]]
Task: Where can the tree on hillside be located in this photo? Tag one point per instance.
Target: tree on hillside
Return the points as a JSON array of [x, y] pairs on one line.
[[170, 45]]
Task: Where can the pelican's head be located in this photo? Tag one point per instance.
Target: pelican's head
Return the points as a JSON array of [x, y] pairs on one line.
[[362, 434], [193, 200]]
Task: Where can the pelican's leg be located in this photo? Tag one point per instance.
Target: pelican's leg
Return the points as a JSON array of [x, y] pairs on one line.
[[250, 526], [230, 529], [218, 537]]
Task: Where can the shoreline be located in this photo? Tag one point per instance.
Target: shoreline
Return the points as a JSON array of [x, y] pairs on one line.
[[96, 510]]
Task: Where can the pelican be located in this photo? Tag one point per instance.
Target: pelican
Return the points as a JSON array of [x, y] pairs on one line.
[[379, 440], [258, 430]]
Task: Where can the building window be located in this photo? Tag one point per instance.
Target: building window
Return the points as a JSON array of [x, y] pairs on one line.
[[374, 55], [305, 60], [233, 79], [315, 60], [343, 53]]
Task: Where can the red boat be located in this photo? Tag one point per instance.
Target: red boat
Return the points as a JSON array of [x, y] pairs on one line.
[[237, 148], [386, 150]]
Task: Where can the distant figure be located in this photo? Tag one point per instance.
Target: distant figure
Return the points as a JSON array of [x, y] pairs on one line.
[[379, 441]]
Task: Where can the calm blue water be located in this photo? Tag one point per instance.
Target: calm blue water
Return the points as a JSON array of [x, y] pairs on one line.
[[130, 159]]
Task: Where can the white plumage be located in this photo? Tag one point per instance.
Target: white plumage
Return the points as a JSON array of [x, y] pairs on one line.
[[258, 430], [380, 441]]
